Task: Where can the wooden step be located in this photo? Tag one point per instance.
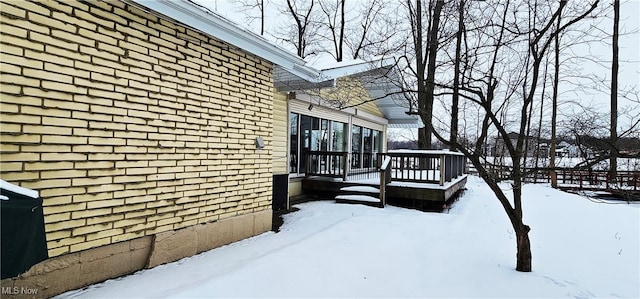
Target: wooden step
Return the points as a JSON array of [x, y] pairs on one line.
[[361, 189], [359, 199]]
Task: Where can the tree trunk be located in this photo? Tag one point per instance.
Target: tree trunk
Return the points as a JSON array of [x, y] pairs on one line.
[[424, 140], [613, 162], [554, 108], [456, 79], [261, 17], [523, 245], [341, 36], [430, 84], [523, 256]]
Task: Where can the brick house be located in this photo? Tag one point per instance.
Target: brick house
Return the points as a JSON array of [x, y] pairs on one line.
[[141, 124]]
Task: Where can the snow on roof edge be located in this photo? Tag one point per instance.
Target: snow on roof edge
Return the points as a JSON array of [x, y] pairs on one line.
[[334, 69]]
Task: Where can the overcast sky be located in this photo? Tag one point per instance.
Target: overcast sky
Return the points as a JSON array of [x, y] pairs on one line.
[[629, 46]]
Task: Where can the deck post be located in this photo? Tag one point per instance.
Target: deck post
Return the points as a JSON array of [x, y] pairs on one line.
[[345, 168], [307, 163], [383, 189], [385, 178], [442, 169]]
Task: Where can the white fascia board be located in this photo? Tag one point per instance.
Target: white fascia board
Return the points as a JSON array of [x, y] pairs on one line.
[[190, 14], [357, 67], [370, 117]]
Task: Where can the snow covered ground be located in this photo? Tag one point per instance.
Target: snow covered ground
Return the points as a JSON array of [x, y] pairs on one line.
[[581, 249]]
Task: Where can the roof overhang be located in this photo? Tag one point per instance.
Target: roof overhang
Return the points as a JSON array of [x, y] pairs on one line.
[[381, 82], [206, 21], [290, 71], [380, 79]]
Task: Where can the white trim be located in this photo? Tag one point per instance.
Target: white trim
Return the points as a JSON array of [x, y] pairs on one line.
[[356, 67], [302, 107], [367, 124], [371, 117]]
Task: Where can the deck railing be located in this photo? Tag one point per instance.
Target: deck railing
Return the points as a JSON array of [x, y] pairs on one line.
[[599, 179], [436, 167], [426, 166], [571, 177], [328, 164]]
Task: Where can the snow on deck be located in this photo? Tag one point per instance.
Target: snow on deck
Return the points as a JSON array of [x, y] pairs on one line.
[[364, 198], [366, 189]]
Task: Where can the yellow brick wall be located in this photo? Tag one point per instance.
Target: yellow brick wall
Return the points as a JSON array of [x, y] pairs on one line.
[[129, 124]]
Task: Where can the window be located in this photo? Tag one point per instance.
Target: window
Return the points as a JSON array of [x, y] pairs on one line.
[[293, 143], [356, 147], [377, 141], [338, 136], [367, 151], [365, 145], [307, 134], [307, 139]]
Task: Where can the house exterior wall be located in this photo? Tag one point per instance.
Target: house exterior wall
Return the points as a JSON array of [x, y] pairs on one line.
[[322, 103], [347, 92], [356, 94], [280, 133], [371, 108], [131, 125]]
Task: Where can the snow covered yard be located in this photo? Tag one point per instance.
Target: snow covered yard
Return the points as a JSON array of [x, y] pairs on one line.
[[581, 249]]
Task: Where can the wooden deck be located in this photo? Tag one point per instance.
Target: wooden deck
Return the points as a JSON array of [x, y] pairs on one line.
[[427, 180]]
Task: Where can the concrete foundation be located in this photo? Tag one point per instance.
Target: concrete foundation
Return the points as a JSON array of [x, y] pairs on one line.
[[72, 271]]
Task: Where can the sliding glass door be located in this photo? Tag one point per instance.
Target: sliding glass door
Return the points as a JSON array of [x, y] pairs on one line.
[[366, 143]]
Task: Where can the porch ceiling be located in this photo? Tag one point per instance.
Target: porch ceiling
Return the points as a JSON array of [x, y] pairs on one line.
[[380, 83], [395, 110]]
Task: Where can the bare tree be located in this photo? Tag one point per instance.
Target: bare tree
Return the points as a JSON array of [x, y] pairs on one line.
[[510, 51], [554, 106], [375, 29], [333, 11], [424, 60], [303, 33], [623, 100], [455, 97], [248, 6]]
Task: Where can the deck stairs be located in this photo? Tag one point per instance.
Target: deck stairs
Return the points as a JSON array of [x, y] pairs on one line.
[[359, 194]]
